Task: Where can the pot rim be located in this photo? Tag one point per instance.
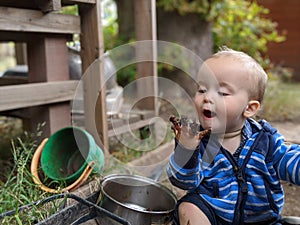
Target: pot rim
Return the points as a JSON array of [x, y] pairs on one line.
[[140, 178]]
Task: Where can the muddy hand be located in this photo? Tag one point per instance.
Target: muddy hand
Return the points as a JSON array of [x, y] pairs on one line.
[[186, 132], [189, 133], [176, 126], [194, 127]]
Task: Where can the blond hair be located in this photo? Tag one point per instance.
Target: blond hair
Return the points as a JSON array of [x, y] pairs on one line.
[[256, 72]]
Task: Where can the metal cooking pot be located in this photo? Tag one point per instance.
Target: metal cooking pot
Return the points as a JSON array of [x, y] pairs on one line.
[[139, 200]]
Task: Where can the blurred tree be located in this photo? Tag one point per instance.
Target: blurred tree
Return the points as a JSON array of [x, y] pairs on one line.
[[238, 24], [183, 7], [125, 12], [200, 25]]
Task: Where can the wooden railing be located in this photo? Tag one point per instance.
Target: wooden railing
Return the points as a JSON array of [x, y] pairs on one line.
[[46, 97]]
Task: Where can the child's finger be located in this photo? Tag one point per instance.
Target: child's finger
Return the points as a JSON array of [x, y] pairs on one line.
[[175, 130], [203, 133], [184, 121], [194, 127], [177, 136], [175, 122], [185, 126], [175, 127]]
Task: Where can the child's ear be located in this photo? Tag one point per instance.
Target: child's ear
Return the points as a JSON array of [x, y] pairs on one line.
[[252, 108]]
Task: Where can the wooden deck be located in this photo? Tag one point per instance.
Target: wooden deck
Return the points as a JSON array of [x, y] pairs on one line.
[[47, 94], [46, 31], [125, 121]]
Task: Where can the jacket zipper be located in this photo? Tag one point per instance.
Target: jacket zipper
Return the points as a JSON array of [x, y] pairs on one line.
[[238, 218]]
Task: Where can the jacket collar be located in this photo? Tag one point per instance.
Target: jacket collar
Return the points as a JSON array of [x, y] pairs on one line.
[[250, 127]]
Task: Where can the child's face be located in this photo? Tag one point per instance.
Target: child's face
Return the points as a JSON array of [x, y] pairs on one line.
[[222, 95]]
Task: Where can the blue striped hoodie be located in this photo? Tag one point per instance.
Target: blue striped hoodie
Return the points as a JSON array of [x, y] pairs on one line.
[[211, 171]]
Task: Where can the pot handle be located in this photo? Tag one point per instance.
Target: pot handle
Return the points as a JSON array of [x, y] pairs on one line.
[[35, 175]]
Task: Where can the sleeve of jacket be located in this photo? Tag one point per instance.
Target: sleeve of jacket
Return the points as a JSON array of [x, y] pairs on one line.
[[184, 167], [286, 159]]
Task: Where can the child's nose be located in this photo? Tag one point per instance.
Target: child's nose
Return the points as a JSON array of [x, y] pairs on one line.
[[207, 98]]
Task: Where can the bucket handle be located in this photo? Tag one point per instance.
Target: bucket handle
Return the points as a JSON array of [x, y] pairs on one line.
[[35, 175]]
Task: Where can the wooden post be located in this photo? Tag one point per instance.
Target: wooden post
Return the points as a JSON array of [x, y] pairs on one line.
[[47, 61], [49, 5], [92, 48], [21, 53], [144, 31]]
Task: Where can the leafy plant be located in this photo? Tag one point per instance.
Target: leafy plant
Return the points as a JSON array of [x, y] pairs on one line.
[[242, 25], [70, 10], [110, 25], [238, 24]]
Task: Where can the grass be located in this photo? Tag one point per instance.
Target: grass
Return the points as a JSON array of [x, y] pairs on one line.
[[18, 188], [282, 102], [10, 128]]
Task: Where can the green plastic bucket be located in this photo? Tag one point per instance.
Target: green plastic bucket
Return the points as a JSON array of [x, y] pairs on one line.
[[67, 153]]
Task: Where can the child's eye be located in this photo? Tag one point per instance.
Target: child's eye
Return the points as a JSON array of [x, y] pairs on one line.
[[202, 91], [223, 93]]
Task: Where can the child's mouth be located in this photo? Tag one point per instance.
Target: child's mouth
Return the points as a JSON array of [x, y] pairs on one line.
[[209, 114]]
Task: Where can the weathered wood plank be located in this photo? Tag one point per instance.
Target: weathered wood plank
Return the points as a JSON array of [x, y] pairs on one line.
[[152, 164], [29, 4], [92, 48], [21, 53], [146, 88], [115, 131], [49, 5], [79, 1], [13, 80], [7, 36], [48, 61], [162, 153], [32, 4], [27, 20], [27, 95]]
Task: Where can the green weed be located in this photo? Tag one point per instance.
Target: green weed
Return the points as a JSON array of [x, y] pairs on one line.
[[19, 189]]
